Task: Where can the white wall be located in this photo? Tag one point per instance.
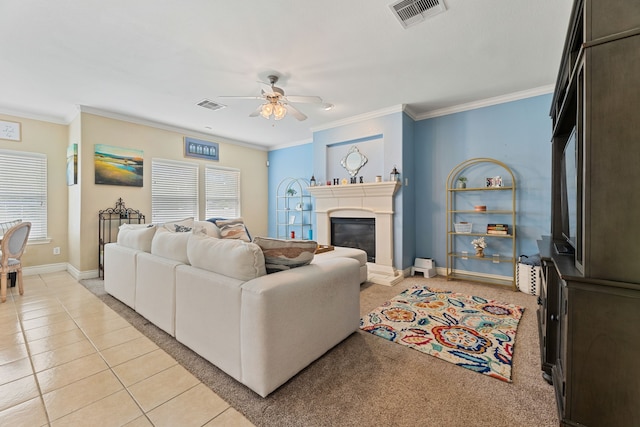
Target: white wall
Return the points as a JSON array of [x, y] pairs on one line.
[[73, 210]]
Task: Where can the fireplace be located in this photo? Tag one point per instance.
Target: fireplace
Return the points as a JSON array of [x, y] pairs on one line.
[[370, 201], [359, 233]]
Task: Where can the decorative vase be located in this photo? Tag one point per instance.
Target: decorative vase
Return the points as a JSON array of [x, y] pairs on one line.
[[480, 252], [461, 184]]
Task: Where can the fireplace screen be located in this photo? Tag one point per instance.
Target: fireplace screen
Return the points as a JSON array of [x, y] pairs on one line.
[[359, 233]]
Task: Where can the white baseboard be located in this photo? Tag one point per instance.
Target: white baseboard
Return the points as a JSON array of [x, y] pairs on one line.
[[62, 266], [44, 269], [440, 271]]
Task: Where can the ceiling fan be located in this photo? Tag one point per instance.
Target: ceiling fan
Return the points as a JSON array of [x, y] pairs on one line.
[[278, 104]]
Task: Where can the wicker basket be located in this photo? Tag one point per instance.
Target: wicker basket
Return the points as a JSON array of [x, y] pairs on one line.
[[463, 227]]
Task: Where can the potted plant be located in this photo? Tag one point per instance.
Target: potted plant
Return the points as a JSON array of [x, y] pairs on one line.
[[479, 244], [291, 192], [462, 182]]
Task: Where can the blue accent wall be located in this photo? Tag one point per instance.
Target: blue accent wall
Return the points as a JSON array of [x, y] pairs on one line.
[[292, 162], [517, 133], [391, 128]]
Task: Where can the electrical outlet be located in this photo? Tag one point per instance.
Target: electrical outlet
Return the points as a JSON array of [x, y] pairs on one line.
[[56, 250]]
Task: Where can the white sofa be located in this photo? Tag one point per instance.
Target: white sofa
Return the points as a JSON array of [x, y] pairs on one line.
[[215, 297]]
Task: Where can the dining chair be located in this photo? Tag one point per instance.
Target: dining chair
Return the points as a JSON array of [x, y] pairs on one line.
[[13, 243]]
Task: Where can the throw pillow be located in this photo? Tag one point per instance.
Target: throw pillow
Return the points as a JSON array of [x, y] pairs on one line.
[[285, 254], [171, 245], [207, 228], [232, 258], [136, 236], [233, 229], [181, 226]]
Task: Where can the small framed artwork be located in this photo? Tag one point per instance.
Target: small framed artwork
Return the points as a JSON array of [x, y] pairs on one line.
[[495, 181], [201, 149], [10, 130]]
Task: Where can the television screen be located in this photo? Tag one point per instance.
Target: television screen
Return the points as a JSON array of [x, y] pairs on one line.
[[570, 193]]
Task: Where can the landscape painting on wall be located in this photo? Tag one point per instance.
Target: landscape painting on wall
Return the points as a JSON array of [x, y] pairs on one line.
[[118, 166]]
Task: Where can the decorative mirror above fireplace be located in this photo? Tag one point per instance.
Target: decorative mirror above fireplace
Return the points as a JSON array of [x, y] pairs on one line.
[[353, 161]]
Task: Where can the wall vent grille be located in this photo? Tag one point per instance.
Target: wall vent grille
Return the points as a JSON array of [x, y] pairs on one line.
[[209, 104], [412, 12]]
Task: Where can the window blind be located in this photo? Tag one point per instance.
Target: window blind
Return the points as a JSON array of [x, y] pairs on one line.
[[23, 190], [174, 190], [222, 192]]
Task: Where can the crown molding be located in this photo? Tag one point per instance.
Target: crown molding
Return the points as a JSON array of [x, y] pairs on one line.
[[65, 120], [290, 144], [515, 96], [163, 126], [360, 118]]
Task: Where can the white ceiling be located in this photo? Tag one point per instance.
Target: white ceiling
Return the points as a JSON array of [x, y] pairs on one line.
[[154, 60]]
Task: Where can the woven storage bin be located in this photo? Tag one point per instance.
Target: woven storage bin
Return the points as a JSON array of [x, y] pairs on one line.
[[463, 227], [528, 278]]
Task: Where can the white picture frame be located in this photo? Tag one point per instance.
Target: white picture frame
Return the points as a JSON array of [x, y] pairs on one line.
[[10, 130]]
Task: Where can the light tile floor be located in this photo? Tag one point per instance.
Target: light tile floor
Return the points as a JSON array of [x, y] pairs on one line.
[[66, 359]]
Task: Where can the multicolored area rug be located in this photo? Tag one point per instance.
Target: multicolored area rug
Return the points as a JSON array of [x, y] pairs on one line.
[[468, 331]]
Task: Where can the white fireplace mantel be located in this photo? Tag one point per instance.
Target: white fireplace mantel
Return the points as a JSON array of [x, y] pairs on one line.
[[371, 200], [373, 189]]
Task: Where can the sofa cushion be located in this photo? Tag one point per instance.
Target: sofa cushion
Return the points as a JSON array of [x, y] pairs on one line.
[[170, 245], [233, 229], [232, 258], [285, 254], [136, 236], [207, 228], [181, 226]]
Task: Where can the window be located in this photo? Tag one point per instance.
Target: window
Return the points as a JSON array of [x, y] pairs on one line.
[[174, 190], [222, 192], [23, 190]]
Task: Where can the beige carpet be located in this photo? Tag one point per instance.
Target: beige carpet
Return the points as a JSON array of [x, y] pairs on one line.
[[366, 380]]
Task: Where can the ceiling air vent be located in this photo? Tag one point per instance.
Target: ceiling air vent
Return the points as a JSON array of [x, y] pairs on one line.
[[207, 103], [411, 12]]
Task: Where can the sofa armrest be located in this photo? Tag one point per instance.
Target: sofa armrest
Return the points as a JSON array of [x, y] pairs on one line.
[[290, 318], [120, 264]]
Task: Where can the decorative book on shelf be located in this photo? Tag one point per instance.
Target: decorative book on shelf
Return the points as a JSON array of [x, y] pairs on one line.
[[498, 229]]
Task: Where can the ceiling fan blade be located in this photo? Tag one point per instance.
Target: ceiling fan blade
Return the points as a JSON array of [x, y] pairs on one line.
[[242, 97], [256, 113], [266, 88], [295, 112], [304, 99]]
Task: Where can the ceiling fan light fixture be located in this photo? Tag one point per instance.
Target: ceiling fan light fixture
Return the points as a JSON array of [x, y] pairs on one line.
[[327, 106], [279, 111], [266, 110], [275, 103], [275, 108]]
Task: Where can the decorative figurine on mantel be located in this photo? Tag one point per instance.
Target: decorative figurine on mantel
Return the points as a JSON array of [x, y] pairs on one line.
[[479, 245], [394, 175]]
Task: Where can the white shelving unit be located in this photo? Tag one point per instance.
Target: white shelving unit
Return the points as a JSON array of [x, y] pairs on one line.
[[293, 209]]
